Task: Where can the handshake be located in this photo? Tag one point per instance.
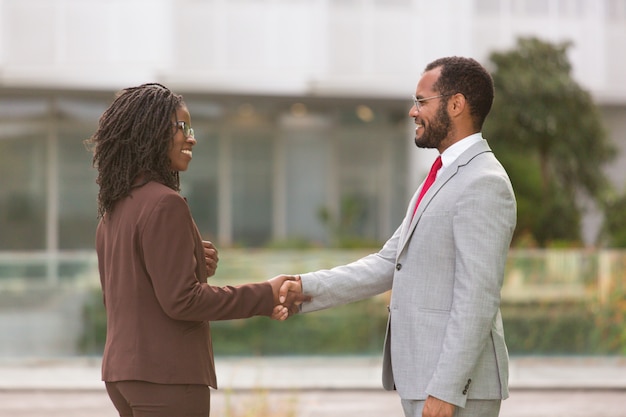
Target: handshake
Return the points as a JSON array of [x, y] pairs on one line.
[[287, 289], [288, 296]]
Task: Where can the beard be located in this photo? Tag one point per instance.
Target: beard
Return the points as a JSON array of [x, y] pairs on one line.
[[437, 130]]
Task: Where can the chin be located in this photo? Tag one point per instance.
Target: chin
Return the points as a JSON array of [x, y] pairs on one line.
[[420, 144], [180, 168]]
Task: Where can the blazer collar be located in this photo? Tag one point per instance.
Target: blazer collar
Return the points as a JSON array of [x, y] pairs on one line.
[[410, 220]]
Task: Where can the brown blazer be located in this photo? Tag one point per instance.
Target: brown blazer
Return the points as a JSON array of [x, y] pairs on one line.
[[158, 302]]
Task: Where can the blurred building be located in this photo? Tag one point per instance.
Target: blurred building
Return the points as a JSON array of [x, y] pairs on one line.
[[300, 109], [300, 106]]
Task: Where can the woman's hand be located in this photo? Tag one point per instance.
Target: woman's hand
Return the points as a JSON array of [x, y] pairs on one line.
[[210, 257]]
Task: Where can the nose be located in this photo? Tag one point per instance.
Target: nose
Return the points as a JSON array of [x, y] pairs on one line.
[[192, 140], [413, 111]]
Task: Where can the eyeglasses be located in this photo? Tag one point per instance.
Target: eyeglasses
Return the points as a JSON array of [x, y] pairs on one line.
[[417, 102], [187, 130]]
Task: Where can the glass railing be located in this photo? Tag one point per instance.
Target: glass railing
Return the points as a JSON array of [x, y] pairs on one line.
[[48, 302]]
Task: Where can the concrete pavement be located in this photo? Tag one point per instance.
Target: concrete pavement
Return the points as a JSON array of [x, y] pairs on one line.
[[317, 387], [325, 373]]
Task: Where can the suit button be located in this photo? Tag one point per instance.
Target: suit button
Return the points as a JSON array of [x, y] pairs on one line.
[[398, 267], [464, 392]]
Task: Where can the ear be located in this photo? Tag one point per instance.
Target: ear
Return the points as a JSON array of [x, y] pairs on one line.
[[457, 104]]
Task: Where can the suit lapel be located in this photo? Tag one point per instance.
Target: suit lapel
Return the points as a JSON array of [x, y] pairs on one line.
[[406, 224], [444, 177]]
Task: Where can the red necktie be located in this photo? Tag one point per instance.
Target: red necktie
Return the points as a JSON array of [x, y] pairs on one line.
[[429, 181]]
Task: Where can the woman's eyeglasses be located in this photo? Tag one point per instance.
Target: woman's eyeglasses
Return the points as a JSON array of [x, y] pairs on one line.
[[187, 130]]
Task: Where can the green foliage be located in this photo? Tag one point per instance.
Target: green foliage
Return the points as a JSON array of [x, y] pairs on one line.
[[548, 133], [291, 244], [548, 329], [346, 229], [557, 325], [95, 325], [614, 227], [609, 333], [558, 220], [357, 328]]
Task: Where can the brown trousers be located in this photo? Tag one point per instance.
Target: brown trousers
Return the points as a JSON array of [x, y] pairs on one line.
[[145, 399]]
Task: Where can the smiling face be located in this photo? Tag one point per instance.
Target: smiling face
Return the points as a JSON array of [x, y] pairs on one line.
[[180, 149], [433, 122]]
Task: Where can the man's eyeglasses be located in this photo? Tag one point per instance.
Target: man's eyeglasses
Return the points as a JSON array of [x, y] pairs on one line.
[[417, 102], [187, 130]]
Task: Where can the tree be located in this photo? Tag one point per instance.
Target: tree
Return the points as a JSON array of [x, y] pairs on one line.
[[614, 227], [548, 133]]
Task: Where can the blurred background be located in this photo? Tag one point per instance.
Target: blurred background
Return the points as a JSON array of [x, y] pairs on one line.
[[305, 156]]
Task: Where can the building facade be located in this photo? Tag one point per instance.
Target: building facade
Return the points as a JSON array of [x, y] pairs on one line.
[[300, 106]]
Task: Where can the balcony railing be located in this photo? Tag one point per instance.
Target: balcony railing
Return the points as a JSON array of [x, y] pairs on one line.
[[44, 297], [531, 275]]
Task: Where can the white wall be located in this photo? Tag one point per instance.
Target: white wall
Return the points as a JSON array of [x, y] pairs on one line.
[[333, 48], [320, 47]]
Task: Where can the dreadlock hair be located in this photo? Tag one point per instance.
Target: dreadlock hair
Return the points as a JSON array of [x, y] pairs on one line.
[[468, 77], [133, 139]]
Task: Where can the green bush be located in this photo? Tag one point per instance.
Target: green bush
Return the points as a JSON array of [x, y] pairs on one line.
[[609, 332], [558, 328], [94, 325], [357, 328], [584, 328]]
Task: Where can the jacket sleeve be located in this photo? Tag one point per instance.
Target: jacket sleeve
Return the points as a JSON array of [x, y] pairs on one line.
[[364, 278], [168, 242]]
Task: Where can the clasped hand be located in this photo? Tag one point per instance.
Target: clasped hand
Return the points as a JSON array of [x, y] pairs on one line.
[[210, 257], [288, 296]]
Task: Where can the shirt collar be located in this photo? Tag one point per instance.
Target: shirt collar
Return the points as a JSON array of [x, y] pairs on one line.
[[456, 149]]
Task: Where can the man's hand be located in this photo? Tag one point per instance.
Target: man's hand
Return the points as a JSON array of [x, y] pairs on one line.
[[210, 257], [288, 295], [291, 294], [290, 288], [434, 407]]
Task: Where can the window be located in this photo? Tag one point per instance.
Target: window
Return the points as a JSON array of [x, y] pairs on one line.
[[78, 191], [23, 169], [200, 183], [252, 162]]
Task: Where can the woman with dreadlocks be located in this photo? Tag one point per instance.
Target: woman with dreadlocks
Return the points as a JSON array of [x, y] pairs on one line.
[[158, 358]]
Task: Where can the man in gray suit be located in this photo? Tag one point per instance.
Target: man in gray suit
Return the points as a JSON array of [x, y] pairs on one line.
[[444, 351]]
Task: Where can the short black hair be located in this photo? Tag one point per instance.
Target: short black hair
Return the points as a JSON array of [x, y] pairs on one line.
[[470, 78]]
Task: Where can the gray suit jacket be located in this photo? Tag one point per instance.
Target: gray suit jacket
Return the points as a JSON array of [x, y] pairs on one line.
[[445, 267]]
